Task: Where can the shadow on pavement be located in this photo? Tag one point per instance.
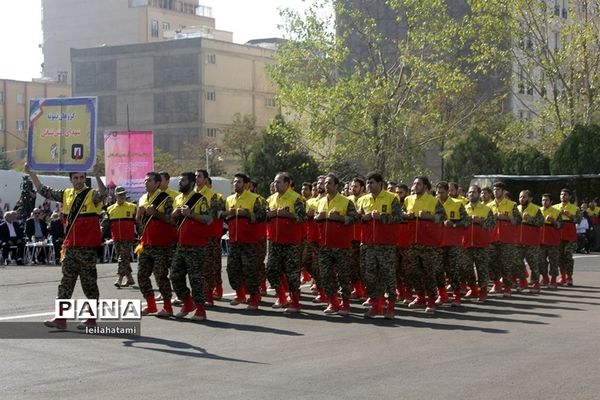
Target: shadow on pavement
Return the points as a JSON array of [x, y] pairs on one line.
[[178, 348]]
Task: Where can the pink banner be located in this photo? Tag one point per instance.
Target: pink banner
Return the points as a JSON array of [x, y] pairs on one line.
[[128, 156]]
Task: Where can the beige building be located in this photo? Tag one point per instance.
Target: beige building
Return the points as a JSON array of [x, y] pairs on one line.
[[183, 90], [14, 112], [83, 24]]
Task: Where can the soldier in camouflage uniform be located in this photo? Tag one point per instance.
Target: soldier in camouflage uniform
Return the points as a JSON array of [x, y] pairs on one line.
[[532, 220], [476, 241], [570, 216], [212, 271], [453, 256], [310, 256], [285, 215], [155, 248], [426, 215], [193, 217], [215, 252], [550, 242], [334, 216], [357, 273], [506, 259], [380, 212], [82, 237], [120, 222], [244, 211]]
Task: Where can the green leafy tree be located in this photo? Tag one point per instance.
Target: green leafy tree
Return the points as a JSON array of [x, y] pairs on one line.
[[240, 138], [405, 92], [526, 161], [578, 154], [5, 162], [554, 66], [475, 154], [278, 151]]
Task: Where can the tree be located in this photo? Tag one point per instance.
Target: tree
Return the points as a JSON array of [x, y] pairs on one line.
[[525, 161], [164, 161], [240, 139], [278, 151], [5, 162], [475, 154], [405, 91], [555, 65], [578, 154]]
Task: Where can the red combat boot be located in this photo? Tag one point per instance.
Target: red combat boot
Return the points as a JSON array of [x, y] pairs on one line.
[[294, 306], [167, 310], [217, 293], [390, 310], [442, 297], [419, 301], [375, 309], [281, 298], [150, 307], [187, 307], [334, 304], [456, 298], [253, 302], [345, 307], [200, 314]]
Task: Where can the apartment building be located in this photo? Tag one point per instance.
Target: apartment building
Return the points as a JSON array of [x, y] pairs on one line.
[[14, 111], [83, 24], [182, 89]]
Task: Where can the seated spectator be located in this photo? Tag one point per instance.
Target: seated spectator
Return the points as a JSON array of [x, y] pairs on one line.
[[57, 230], [12, 237], [36, 229]]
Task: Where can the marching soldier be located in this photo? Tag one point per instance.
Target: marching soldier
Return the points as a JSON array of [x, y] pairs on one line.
[[82, 205], [244, 212], [570, 215], [120, 219], [193, 217]]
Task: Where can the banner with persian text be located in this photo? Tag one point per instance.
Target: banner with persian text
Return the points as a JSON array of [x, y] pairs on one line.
[[128, 156], [62, 134]]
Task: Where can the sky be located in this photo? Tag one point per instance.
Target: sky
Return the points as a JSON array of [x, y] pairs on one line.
[[21, 29]]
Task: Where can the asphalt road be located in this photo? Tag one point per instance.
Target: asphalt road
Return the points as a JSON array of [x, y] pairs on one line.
[[543, 346]]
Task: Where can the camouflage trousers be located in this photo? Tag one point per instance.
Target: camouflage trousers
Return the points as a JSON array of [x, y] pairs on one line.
[[549, 256], [452, 266], [283, 259], [506, 262], [212, 273], [310, 261], [424, 263], [402, 275], [380, 270], [478, 257], [357, 270], [241, 266], [261, 253], [155, 260], [79, 262], [335, 271], [532, 254], [565, 256], [188, 261], [123, 251]]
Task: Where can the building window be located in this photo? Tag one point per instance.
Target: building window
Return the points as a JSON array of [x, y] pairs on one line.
[[211, 96], [556, 41], [565, 12], [154, 28], [556, 8], [1, 97], [20, 125], [211, 132], [270, 102], [1, 124], [166, 26], [20, 98], [211, 58]]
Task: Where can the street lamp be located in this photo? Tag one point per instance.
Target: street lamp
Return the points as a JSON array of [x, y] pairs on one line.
[[209, 152]]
